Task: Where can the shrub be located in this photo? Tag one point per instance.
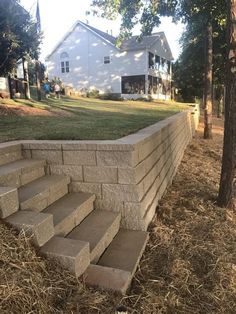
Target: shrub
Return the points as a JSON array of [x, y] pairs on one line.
[[93, 93], [111, 96]]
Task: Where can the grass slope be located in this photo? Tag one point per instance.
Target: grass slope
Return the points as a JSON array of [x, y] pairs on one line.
[[81, 118]]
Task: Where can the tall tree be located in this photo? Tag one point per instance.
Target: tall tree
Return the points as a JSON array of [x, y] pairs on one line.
[[228, 175], [18, 35], [189, 68]]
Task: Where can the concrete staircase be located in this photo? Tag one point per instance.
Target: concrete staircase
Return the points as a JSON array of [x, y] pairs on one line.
[[65, 225]]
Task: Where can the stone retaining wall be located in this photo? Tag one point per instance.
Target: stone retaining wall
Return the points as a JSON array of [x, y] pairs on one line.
[[128, 175]]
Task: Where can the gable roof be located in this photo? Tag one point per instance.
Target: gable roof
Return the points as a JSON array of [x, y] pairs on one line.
[[132, 43], [104, 35]]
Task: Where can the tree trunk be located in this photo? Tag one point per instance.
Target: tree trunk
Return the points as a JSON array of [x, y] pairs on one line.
[[208, 85], [38, 85], [227, 182], [26, 78]]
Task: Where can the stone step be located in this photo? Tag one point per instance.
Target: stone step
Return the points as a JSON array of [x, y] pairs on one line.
[[70, 253], [41, 193], [99, 229], [21, 172], [69, 211], [39, 226], [117, 266], [9, 152], [9, 202]]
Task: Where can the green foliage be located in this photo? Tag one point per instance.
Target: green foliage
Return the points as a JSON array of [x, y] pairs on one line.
[[94, 93], [189, 69], [18, 35], [132, 12], [111, 96]]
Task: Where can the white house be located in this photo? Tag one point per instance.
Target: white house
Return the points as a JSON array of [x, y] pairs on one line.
[[88, 59]]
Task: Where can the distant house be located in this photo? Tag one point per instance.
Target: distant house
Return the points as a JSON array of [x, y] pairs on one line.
[[88, 59]]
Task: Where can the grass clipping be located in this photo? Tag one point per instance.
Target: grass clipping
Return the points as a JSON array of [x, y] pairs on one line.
[[189, 265]]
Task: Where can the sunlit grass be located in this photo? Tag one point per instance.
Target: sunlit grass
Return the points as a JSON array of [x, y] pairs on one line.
[[83, 118]]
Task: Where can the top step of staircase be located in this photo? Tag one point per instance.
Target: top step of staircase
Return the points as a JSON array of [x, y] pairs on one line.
[[10, 152]]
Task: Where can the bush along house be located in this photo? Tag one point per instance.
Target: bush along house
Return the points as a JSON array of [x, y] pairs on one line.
[[88, 59]]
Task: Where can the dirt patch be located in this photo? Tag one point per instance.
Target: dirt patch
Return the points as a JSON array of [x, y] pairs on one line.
[[189, 265], [16, 110]]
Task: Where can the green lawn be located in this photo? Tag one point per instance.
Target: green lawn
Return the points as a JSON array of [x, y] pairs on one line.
[[83, 118]]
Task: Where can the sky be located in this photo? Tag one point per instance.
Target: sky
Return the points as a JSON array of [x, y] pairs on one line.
[[57, 18]]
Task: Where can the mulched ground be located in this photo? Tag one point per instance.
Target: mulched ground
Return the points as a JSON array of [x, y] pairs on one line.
[[11, 110], [189, 265]]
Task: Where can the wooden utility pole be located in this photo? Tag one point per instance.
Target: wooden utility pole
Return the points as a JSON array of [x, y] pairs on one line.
[[227, 190], [208, 85]]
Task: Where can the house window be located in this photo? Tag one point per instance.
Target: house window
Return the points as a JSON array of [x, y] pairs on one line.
[[157, 62], [65, 64], [64, 55], [152, 85], [133, 84], [150, 60], [65, 67], [107, 59]]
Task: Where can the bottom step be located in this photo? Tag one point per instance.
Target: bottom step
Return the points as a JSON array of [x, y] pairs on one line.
[[117, 266], [72, 254]]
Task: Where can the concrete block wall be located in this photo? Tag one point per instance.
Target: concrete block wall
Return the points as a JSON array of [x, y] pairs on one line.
[[128, 175]]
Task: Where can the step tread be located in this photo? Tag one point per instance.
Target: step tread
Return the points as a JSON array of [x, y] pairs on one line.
[[125, 250], [39, 185], [67, 205], [94, 226], [20, 165]]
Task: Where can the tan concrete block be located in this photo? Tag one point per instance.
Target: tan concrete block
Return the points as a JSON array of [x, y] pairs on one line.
[[72, 254], [86, 158], [57, 193], [51, 156], [26, 154], [94, 188], [69, 211], [132, 216], [118, 159], [40, 193], [100, 174], [45, 145], [10, 179], [129, 193], [125, 250], [74, 172], [99, 228], [131, 175], [145, 150], [10, 157], [109, 205], [108, 278], [36, 203], [32, 175], [80, 145], [9, 202], [38, 225], [9, 147], [115, 145]]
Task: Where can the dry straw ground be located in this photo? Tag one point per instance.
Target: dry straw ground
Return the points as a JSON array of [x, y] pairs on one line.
[[189, 265]]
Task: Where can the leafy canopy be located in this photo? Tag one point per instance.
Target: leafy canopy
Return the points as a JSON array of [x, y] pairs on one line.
[[18, 35]]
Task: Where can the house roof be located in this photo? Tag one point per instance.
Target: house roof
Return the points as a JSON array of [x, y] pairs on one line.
[[106, 36], [132, 43]]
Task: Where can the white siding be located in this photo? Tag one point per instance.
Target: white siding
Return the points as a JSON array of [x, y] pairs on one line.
[[87, 69]]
